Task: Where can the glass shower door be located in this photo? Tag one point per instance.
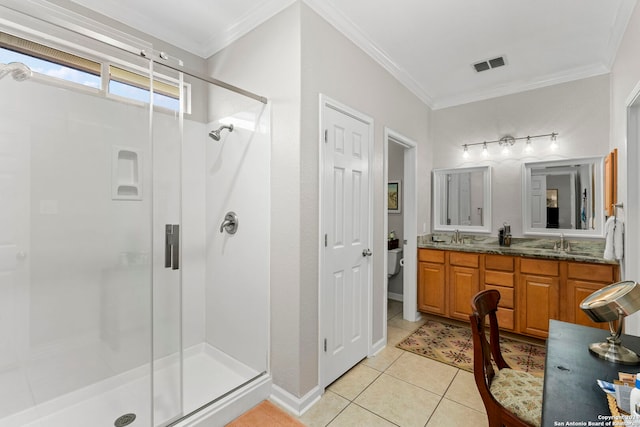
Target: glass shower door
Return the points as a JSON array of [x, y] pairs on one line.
[[167, 230], [75, 249]]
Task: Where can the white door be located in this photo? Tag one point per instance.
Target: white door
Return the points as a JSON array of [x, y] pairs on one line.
[[346, 275], [538, 201]]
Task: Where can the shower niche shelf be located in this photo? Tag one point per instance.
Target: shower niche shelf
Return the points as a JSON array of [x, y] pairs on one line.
[[126, 173]]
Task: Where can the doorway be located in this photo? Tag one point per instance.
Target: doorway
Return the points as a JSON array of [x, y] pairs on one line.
[[346, 260], [401, 161]]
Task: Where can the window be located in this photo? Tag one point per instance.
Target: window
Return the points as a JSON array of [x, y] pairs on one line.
[[50, 62], [78, 70]]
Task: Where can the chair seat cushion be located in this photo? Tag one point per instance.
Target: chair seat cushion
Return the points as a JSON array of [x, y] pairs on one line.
[[519, 392]]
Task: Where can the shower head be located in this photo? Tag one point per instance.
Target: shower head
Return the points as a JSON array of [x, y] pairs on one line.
[[215, 134], [18, 71]]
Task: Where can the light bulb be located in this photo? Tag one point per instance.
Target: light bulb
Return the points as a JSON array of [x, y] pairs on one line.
[[465, 154], [528, 148], [554, 141], [485, 150]]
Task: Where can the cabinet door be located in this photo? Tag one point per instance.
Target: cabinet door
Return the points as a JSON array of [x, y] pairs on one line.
[[539, 297], [464, 283], [431, 288], [577, 291]]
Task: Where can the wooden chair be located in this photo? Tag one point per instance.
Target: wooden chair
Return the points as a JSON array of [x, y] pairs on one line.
[[511, 397]]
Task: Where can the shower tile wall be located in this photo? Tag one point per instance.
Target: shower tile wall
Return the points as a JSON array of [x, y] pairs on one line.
[[76, 307], [237, 283]]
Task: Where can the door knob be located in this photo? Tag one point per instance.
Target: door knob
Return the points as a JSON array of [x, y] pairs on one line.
[[366, 252], [230, 223]]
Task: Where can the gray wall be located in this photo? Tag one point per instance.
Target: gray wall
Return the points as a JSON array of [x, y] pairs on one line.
[[578, 111]]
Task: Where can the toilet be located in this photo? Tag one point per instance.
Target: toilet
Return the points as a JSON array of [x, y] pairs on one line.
[[394, 256]]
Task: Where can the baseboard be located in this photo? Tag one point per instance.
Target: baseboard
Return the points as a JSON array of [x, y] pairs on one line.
[[295, 405], [395, 297], [378, 347]]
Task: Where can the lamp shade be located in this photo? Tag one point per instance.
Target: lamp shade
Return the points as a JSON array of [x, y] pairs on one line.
[[610, 302]]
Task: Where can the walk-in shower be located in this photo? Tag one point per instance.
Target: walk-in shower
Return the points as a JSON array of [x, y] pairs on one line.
[[215, 134], [94, 180], [17, 70]]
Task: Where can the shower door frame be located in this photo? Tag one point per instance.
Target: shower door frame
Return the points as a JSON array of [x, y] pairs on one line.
[[68, 21]]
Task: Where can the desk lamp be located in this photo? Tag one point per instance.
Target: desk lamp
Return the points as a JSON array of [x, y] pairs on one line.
[[609, 304]]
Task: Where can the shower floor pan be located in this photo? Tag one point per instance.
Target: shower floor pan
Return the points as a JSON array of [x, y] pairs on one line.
[[208, 373]]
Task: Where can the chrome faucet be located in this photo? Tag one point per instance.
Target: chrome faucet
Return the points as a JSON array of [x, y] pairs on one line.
[[455, 238], [563, 247]]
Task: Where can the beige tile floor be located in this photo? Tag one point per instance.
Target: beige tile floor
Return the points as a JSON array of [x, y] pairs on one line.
[[398, 388]]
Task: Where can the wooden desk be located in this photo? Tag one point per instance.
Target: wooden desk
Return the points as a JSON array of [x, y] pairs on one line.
[[570, 389]]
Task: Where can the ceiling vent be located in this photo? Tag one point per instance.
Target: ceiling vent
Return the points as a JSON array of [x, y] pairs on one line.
[[489, 64]]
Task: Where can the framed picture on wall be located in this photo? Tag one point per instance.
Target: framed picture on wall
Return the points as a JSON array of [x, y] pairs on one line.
[[394, 195], [552, 198]]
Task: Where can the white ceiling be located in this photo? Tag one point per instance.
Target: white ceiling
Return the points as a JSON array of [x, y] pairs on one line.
[[429, 45]]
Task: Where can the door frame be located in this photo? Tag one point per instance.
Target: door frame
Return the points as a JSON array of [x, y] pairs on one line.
[[328, 102], [631, 207], [410, 220]]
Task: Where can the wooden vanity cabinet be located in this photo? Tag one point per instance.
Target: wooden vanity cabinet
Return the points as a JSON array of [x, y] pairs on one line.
[[532, 290], [499, 274], [582, 280], [432, 282], [539, 295], [464, 282]]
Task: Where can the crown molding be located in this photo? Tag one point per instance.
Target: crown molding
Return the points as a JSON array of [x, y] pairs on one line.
[[619, 28], [517, 87], [265, 11], [345, 26]]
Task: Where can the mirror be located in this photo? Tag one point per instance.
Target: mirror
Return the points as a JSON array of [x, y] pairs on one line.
[[563, 196], [462, 199]]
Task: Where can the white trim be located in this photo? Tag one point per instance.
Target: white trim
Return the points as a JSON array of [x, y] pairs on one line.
[[257, 16], [629, 267], [379, 345], [439, 223], [394, 296], [410, 219], [624, 13], [517, 87], [293, 404], [346, 27], [331, 103], [598, 232]]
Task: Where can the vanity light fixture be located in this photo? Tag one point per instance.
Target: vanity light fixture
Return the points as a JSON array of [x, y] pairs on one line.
[[507, 141]]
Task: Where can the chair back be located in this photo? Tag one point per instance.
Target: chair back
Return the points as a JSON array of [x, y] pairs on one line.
[[484, 306]]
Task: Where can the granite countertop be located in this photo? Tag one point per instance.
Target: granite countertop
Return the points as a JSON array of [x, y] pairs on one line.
[[581, 250]]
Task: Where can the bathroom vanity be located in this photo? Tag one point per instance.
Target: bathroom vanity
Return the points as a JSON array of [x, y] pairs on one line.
[[536, 282]]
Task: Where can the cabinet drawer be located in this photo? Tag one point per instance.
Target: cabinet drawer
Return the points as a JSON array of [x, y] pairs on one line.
[[429, 255], [500, 278], [540, 267], [592, 272], [505, 318], [499, 262], [464, 259], [506, 295]]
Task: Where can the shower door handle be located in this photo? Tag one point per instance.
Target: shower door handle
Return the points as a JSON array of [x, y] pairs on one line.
[[172, 246]]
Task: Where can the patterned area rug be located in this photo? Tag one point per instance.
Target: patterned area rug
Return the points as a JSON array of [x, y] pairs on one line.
[[453, 345]]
